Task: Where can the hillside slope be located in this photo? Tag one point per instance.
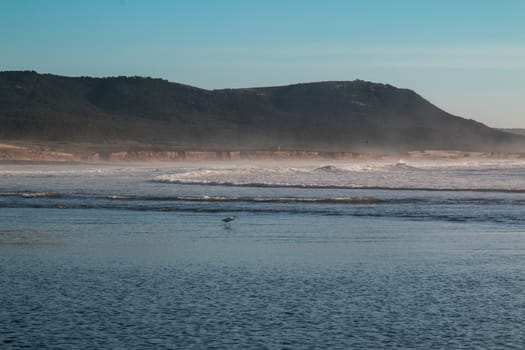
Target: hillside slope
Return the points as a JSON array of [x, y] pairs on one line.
[[352, 115]]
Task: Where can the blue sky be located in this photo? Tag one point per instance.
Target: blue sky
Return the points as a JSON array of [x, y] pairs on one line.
[[466, 56]]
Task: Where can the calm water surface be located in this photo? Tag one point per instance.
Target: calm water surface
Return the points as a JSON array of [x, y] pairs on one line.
[[125, 263]]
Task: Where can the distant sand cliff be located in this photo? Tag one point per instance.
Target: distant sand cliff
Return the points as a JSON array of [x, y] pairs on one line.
[[42, 153]]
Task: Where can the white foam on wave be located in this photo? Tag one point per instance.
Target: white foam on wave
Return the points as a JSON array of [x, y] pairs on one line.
[[48, 172], [451, 174], [401, 174]]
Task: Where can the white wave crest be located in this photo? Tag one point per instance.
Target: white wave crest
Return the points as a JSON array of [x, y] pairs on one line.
[[359, 175]]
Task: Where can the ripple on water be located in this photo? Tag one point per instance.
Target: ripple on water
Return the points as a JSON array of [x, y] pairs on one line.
[[251, 307]]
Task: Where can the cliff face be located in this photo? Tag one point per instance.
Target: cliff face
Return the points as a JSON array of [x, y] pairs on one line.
[[45, 154], [327, 116], [10, 152]]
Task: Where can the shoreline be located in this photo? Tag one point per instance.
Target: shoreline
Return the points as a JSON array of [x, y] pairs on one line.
[[15, 153]]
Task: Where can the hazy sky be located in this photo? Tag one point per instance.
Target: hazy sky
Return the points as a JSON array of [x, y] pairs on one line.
[[466, 56]]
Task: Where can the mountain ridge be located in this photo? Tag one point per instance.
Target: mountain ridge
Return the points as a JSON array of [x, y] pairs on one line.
[[330, 115]]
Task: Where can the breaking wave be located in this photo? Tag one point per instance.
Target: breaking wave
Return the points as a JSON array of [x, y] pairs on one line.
[[331, 169], [32, 194], [401, 166], [223, 199], [335, 186], [419, 209], [391, 176], [452, 208], [460, 193]]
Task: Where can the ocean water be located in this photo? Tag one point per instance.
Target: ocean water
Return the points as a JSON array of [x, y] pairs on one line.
[[346, 255]]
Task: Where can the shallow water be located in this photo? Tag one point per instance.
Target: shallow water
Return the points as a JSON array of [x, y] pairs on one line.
[[112, 258]]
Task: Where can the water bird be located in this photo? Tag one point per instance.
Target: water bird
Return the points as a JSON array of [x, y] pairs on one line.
[[227, 221]]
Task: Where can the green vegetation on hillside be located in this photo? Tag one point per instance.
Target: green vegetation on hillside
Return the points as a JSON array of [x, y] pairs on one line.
[[352, 115]]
